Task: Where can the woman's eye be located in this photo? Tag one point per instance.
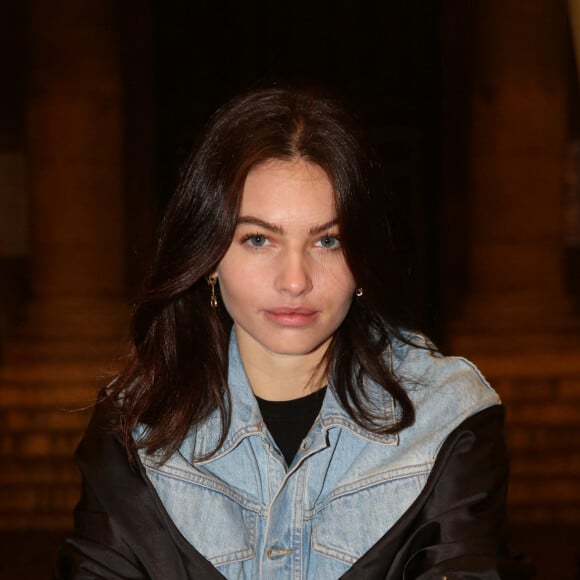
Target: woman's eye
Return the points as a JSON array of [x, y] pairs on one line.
[[329, 242], [255, 241]]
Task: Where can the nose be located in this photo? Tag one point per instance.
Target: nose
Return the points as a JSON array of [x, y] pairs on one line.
[[294, 275]]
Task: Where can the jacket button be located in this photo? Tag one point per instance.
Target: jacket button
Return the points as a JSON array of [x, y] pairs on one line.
[[305, 445], [278, 553]]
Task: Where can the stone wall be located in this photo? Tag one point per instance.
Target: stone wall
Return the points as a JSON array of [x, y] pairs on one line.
[[542, 398], [76, 314]]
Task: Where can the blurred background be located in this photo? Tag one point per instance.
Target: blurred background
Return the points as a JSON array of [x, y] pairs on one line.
[[474, 106]]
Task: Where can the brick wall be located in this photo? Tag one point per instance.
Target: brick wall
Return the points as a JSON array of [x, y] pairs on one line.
[[45, 406], [541, 394]]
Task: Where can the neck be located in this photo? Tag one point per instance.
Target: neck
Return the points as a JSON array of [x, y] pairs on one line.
[[281, 377]]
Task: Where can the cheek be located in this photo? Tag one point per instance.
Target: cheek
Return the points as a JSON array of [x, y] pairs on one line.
[[336, 280], [238, 285], [229, 288], [230, 298]]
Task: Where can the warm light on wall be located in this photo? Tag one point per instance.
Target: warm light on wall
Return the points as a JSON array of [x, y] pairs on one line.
[[574, 15]]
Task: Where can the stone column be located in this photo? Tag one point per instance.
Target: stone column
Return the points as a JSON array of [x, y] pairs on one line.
[[77, 314], [519, 122], [517, 322], [75, 156]]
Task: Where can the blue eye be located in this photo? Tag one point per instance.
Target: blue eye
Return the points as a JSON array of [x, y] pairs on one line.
[[255, 240], [329, 242]]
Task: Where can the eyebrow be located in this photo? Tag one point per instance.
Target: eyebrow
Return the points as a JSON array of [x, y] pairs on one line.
[[254, 221]]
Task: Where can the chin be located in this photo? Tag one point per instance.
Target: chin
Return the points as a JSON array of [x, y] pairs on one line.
[[294, 348]]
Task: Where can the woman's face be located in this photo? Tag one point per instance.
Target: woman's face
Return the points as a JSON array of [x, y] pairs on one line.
[[284, 279]]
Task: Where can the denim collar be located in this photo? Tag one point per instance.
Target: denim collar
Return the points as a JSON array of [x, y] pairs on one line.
[[246, 419]]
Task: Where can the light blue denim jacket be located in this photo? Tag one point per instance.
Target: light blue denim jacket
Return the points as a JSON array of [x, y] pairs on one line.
[[253, 517]]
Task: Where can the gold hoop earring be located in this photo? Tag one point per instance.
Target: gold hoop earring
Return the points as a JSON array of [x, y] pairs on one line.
[[213, 301], [358, 292]]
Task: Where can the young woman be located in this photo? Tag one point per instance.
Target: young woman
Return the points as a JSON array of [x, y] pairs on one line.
[[275, 419]]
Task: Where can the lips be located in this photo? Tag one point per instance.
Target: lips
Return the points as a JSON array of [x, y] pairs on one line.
[[292, 317]]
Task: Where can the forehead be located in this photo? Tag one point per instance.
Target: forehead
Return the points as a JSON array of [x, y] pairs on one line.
[[288, 185]]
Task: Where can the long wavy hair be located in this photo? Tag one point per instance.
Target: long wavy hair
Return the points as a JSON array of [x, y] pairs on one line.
[[176, 371]]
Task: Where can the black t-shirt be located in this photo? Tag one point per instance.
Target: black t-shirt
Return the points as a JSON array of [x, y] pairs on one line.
[[290, 421]]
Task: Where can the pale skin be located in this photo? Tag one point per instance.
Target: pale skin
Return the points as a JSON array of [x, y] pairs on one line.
[[284, 279]]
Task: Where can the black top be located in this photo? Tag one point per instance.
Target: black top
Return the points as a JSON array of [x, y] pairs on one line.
[[290, 421]]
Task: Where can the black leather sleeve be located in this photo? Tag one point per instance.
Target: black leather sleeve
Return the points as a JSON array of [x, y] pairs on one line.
[[122, 531], [456, 529]]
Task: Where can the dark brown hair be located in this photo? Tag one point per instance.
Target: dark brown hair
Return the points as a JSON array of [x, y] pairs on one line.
[[176, 373]]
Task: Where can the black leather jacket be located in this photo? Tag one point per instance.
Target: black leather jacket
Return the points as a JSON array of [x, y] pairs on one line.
[[455, 528]]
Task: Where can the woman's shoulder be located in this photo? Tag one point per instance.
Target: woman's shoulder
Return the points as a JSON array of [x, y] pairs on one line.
[[445, 390]]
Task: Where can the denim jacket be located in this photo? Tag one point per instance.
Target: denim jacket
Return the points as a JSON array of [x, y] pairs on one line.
[[252, 516]]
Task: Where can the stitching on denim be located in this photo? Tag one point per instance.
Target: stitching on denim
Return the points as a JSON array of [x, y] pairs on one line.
[[365, 483], [210, 484], [338, 421], [298, 526], [231, 442], [335, 554], [229, 558], [238, 556]]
